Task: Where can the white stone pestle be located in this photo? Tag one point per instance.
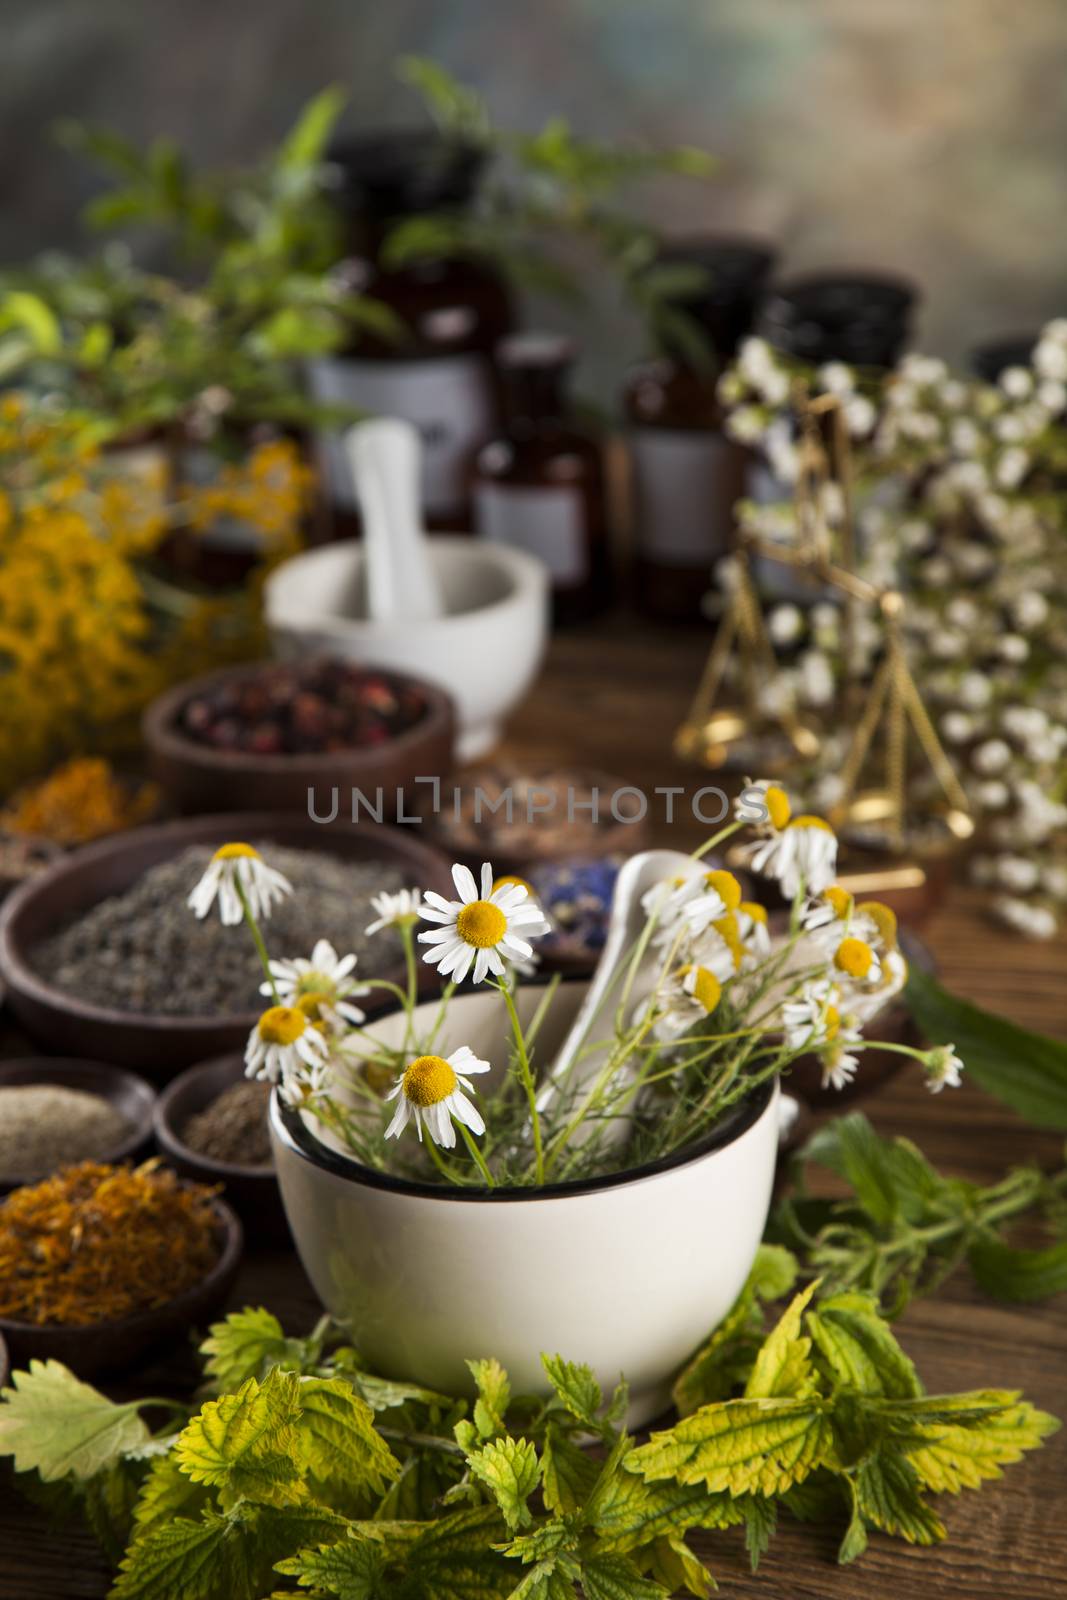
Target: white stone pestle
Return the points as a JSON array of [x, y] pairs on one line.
[[400, 583]]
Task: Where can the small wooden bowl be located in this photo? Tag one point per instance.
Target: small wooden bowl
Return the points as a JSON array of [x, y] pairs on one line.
[[252, 1191], [162, 1045], [130, 1095], [122, 1342], [198, 778]]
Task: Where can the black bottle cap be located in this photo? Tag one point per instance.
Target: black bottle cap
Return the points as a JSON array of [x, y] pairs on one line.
[[402, 173], [859, 317], [987, 361], [736, 270]]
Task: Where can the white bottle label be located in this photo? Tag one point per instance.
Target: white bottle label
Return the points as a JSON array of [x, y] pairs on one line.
[[684, 515], [547, 523], [448, 399]]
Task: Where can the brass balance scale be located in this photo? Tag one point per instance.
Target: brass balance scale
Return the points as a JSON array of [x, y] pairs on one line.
[[731, 726]]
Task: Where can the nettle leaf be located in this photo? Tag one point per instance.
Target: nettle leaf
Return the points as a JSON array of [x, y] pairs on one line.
[[53, 1423], [509, 1469], [955, 1441], [741, 1446], [783, 1366], [455, 1558], [1027, 1071], [889, 1494], [613, 1577], [568, 1474], [108, 1501], [576, 1388], [632, 1513], [246, 1345], [384, 1394], [774, 1272], [671, 1562], [890, 1177], [761, 1521], [859, 1350], [338, 1438], [351, 1569], [245, 1444], [553, 1578], [184, 1560], [1018, 1275], [165, 1494], [494, 1397]]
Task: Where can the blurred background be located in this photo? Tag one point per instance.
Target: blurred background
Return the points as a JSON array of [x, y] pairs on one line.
[[924, 139]]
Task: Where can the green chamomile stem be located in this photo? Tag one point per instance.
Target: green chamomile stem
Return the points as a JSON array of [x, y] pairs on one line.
[[440, 1163], [476, 1156], [408, 940], [527, 1078], [718, 838], [257, 938]]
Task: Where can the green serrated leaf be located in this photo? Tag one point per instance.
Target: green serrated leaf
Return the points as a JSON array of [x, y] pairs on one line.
[[854, 1541], [245, 1445], [783, 1366], [165, 1494], [568, 1474], [741, 1446], [351, 1569], [724, 1362], [761, 1521], [338, 1439], [859, 1350], [607, 1576], [494, 1397], [185, 1560], [576, 1388], [1027, 1071], [889, 1494], [954, 1442], [244, 1346], [509, 1469], [52, 1423], [1018, 1276]]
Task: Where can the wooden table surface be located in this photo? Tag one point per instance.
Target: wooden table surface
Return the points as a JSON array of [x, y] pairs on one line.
[[610, 697]]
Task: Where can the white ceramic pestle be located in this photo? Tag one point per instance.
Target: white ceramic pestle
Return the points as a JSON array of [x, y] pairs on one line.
[[568, 1076], [400, 584]]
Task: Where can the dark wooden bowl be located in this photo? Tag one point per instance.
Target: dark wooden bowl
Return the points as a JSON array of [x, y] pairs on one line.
[[123, 1341], [160, 1045], [5, 1362], [129, 1094], [894, 1025], [252, 1191], [197, 778]]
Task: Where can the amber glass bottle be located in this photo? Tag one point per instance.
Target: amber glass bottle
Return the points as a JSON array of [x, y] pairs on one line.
[[687, 475], [540, 485], [453, 311]]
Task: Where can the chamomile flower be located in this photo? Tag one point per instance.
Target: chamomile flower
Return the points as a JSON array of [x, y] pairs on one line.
[[483, 930], [753, 929], [856, 961], [233, 870], [802, 855], [395, 910], [688, 995], [430, 1092], [839, 1064], [766, 805], [811, 1019], [831, 908], [944, 1068], [321, 987], [283, 1047]]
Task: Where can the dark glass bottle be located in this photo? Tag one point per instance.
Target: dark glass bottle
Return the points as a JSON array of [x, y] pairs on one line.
[[453, 309], [540, 485], [687, 475]]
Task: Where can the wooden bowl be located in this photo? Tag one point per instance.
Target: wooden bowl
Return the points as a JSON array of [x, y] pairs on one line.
[[129, 1094], [121, 1342], [5, 1362], [163, 1045], [198, 778], [252, 1191]]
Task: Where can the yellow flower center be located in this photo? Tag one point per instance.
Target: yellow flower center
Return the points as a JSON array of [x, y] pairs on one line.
[[311, 1003], [811, 822], [854, 957], [706, 989], [481, 924], [726, 887], [753, 909], [234, 852], [428, 1080], [778, 807], [509, 880], [832, 1021], [884, 919], [730, 933], [282, 1025], [839, 900]]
